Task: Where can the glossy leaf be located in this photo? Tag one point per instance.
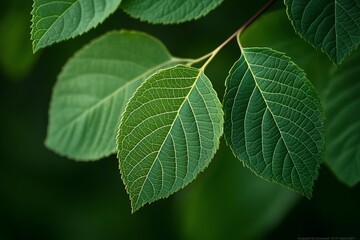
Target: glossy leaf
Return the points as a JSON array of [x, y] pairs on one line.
[[273, 119], [169, 133], [93, 89], [54, 21], [342, 104], [169, 11], [330, 25]]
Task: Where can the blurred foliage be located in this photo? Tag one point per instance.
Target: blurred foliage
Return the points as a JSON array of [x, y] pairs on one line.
[[44, 196], [17, 59], [342, 104], [232, 203]]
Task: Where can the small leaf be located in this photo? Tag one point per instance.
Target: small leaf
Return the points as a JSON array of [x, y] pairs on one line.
[[93, 88], [273, 119], [169, 133], [333, 26], [342, 104], [169, 11], [54, 21]]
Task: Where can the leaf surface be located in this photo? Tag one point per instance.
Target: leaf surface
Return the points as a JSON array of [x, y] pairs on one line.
[[93, 89], [169, 11], [274, 30], [342, 107], [273, 119], [169, 133], [330, 25], [338, 89], [55, 21]]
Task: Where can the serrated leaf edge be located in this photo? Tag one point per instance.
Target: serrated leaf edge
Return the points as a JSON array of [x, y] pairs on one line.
[[216, 146], [36, 47], [142, 19], [76, 54], [318, 165], [336, 61]]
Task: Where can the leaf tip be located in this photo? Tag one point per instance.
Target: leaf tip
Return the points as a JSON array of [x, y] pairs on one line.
[[136, 204], [35, 48], [308, 193], [134, 209]]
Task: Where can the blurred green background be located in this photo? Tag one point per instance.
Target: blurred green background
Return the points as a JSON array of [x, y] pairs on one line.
[[45, 196]]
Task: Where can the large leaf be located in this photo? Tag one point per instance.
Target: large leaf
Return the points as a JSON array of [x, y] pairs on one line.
[[169, 11], [54, 21], [169, 133], [273, 119], [93, 88], [342, 105], [333, 26], [338, 90]]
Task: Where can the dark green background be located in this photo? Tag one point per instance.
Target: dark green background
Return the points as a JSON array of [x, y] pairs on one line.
[[45, 196]]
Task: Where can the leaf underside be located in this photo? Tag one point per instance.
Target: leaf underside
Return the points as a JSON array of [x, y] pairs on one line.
[[330, 25], [55, 21], [93, 89], [169, 11], [273, 119], [169, 133], [342, 104]]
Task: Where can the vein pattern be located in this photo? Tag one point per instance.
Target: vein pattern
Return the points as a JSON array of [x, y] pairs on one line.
[[93, 89], [273, 119], [57, 20], [169, 133], [169, 11], [331, 25]]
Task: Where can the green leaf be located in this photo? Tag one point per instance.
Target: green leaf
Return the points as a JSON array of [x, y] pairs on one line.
[[169, 11], [274, 30], [273, 119], [55, 21], [333, 26], [169, 133], [338, 89], [93, 88], [342, 104]]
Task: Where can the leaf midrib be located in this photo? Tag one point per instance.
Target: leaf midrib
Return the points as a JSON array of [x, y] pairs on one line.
[[272, 114], [50, 27], [134, 207]]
